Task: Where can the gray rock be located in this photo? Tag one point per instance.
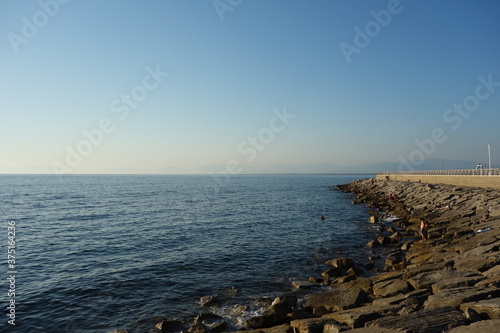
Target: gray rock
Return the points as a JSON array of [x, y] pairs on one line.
[[425, 321], [372, 330], [209, 301], [354, 271], [334, 328], [373, 243], [419, 295], [471, 315], [456, 296], [423, 268], [303, 284], [486, 326], [210, 317], [481, 250], [360, 282], [198, 328], [285, 328], [275, 314], [320, 311], [494, 211], [395, 237], [298, 314], [357, 317], [283, 304], [406, 310], [391, 288], [344, 279], [384, 240], [332, 272], [311, 325], [337, 300], [495, 271], [167, 326], [406, 246], [457, 282], [488, 307], [475, 264], [219, 327], [427, 279], [345, 263]]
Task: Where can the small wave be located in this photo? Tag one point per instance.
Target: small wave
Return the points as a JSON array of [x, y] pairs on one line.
[[389, 218]]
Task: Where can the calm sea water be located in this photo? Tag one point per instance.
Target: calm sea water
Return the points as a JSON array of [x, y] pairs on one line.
[[99, 253]]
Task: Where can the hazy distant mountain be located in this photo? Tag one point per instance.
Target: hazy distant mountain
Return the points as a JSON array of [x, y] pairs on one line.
[[321, 168], [27, 169], [317, 168]]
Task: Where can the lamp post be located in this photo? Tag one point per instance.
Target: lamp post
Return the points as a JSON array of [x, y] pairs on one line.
[[489, 159]]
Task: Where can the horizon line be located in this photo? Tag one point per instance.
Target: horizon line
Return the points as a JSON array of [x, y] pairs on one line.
[[191, 174]]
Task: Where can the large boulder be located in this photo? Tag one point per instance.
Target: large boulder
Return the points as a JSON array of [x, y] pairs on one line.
[[219, 327], [304, 285], [360, 282], [492, 272], [391, 288], [285, 328], [209, 301], [420, 295], [486, 326], [344, 263], [198, 328], [488, 307], [494, 211], [372, 330], [457, 282], [208, 322], [455, 296], [311, 325], [475, 264], [344, 279], [334, 328], [423, 268], [207, 317], [483, 250], [373, 243], [275, 314], [282, 305], [425, 321], [357, 317], [337, 300], [427, 279], [168, 326], [330, 274]]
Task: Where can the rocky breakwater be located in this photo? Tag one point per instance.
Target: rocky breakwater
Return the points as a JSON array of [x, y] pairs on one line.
[[450, 280], [448, 283]]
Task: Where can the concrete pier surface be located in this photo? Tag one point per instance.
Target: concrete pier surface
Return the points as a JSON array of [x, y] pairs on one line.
[[483, 178]]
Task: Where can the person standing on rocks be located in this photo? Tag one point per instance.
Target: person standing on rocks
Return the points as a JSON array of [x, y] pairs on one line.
[[424, 226]]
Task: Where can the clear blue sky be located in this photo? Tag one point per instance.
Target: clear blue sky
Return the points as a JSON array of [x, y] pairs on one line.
[[67, 67]]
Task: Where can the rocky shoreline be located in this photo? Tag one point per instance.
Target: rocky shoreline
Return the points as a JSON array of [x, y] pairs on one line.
[[449, 283]]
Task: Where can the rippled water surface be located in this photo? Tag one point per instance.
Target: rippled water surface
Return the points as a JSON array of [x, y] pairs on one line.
[[99, 253]]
